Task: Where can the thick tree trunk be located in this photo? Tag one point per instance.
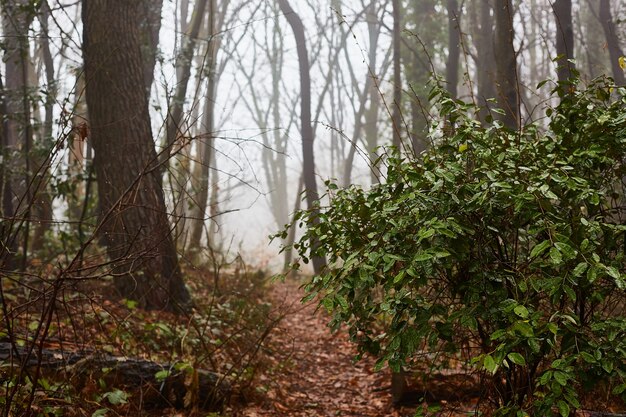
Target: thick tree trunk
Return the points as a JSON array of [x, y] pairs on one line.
[[306, 129], [564, 39], [134, 224], [610, 32], [506, 64]]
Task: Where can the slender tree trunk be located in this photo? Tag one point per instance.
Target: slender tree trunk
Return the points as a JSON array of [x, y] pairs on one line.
[[133, 225], [183, 66], [291, 235], [485, 62], [610, 32], [564, 39], [17, 17], [202, 199], [396, 114], [506, 64], [42, 204], [310, 183], [9, 247], [454, 47]]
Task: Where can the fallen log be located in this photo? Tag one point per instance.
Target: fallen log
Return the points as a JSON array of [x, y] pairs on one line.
[[159, 384]]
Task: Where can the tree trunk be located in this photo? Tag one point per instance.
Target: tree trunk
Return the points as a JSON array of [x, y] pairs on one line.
[[506, 65], [202, 199], [454, 47], [42, 204], [610, 32], [396, 115], [183, 67], [133, 219], [9, 248], [306, 129], [564, 39], [149, 28], [485, 60], [17, 17]]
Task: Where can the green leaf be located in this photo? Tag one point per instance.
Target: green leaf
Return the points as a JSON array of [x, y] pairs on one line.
[[116, 397], [580, 269], [561, 377], [101, 412], [517, 358], [524, 329], [566, 250], [619, 389], [588, 357], [563, 408], [521, 311], [539, 248], [614, 273], [161, 375], [556, 256], [423, 256], [490, 364]]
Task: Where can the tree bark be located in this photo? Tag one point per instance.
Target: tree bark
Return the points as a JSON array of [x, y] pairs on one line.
[[564, 39], [610, 32], [133, 219], [506, 65], [306, 129]]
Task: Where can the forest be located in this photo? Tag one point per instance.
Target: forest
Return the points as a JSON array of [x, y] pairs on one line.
[[313, 208]]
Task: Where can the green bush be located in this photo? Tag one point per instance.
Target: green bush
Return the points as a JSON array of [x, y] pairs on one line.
[[507, 245]]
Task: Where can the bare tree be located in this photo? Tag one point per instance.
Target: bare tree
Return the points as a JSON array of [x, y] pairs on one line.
[[306, 129]]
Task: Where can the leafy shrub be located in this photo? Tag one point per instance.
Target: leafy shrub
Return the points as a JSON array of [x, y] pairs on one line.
[[507, 245]]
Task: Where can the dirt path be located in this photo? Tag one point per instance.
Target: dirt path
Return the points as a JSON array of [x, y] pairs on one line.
[[313, 372]]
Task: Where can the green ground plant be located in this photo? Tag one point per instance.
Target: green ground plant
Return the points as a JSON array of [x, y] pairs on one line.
[[504, 248]]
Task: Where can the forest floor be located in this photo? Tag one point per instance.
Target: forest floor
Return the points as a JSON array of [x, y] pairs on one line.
[[312, 370]]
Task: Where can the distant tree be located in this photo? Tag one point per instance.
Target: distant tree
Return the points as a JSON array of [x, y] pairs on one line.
[[184, 61], [396, 115], [610, 31], [484, 59], [454, 46], [17, 17], [306, 129], [134, 224], [564, 38], [506, 64]]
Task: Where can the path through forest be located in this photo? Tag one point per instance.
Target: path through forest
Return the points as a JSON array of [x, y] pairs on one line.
[[312, 372]]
